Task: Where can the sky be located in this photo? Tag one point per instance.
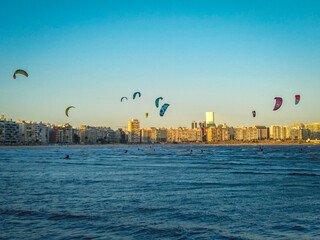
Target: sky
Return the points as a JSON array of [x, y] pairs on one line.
[[229, 57]]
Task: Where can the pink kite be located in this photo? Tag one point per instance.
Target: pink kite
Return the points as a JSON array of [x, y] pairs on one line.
[[278, 103], [297, 99]]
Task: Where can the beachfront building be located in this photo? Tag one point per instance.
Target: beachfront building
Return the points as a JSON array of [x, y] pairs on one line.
[[9, 132], [239, 133], [219, 133], [275, 132], [97, 135], [33, 133], [134, 131], [213, 134], [153, 135], [300, 125], [284, 132], [253, 133], [159, 135], [87, 134], [209, 119], [226, 132], [62, 134], [145, 135], [119, 136], [104, 135], [202, 124], [183, 134], [314, 129], [298, 133], [262, 132]]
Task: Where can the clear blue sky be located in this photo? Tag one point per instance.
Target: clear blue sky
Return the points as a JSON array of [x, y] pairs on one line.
[[230, 57]]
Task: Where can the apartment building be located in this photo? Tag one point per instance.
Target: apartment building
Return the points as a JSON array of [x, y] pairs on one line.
[[9, 132], [134, 131]]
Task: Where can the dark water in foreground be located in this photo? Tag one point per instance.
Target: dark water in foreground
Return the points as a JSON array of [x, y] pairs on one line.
[[160, 192]]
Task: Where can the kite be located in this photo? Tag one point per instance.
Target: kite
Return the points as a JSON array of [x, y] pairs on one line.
[[147, 114], [135, 94], [254, 113], [67, 110], [20, 71], [278, 103], [157, 101], [297, 99], [163, 109], [124, 98]]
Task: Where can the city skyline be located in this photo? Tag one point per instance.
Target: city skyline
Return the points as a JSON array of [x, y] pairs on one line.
[[230, 58], [126, 126], [32, 133]]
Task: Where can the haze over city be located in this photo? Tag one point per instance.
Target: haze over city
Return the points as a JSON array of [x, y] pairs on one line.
[[227, 57]]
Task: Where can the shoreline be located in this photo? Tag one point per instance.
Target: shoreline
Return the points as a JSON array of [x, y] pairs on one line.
[[271, 143]]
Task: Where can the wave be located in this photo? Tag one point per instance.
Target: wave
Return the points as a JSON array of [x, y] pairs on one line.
[[303, 174], [148, 209], [68, 216], [54, 216], [161, 231], [232, 163], [249, 172], [19, 213]]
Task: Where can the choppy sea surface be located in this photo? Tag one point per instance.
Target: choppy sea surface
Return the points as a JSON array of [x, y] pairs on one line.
[[160, 192]]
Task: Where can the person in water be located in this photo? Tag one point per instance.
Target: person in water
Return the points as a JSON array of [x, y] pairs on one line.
[[125, 151], [66, 157], [261, 150]]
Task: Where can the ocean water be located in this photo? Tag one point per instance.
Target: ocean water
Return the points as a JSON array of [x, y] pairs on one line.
[[160, 192]]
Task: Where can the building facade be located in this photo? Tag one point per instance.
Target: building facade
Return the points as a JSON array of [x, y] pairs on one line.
[[97, 135], [182, 134], [209, 119], [219, 133], [314, 129], [194, 125], [9, 132], [33, 133], [134, 131]]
